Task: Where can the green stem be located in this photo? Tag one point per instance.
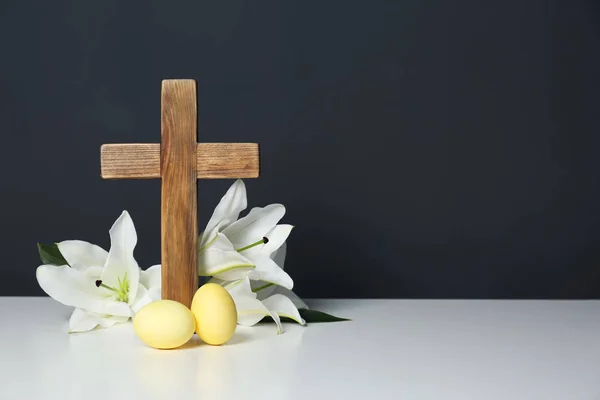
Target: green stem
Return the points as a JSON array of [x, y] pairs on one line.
[[261, 241], [109, 288], [258, 289]]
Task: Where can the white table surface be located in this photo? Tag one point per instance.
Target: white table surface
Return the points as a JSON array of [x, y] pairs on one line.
[[393, 349]]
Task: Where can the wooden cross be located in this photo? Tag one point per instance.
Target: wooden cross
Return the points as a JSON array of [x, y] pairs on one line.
[[179, 160]]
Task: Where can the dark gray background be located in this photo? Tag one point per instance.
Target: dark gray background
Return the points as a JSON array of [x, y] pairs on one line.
[[422, 148]]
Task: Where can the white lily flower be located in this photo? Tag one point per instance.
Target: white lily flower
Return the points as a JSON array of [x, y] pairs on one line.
[[104, 287], [232, 248], [255, 300], [264, 290], [251, 310]]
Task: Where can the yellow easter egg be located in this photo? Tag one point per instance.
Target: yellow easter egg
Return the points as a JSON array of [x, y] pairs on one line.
[[164, 324], [215, 313]]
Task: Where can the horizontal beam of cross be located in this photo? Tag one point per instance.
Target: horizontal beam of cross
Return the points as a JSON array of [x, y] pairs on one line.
[[213, 160]]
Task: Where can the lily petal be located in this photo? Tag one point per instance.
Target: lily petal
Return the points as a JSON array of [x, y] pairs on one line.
[[266, 270], [74, 288], [207, 237], [151, 279], [272, 290], [83, 321], [250, 309], [120, 261], [142, 298], [94, 272], [279, 255], [284, 307], [221, 281], [277, 237], [222, 261], [255, 225], [229, 208], [81, 255], [264, 289]]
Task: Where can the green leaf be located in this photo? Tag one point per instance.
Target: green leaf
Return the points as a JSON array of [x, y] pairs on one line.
[[310, 316], [313, 316], [50, 254]]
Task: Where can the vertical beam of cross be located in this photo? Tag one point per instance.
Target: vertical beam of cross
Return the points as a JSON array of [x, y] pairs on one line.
[[179, 227], [179, 160]]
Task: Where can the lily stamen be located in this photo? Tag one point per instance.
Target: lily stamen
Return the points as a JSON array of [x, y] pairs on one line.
[[123, 290], [100, 284], [264, 240]]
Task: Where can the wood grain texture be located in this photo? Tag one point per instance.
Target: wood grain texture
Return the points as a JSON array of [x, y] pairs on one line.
[[213, 161], [179, 190], [130, 161], [227, 160]]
